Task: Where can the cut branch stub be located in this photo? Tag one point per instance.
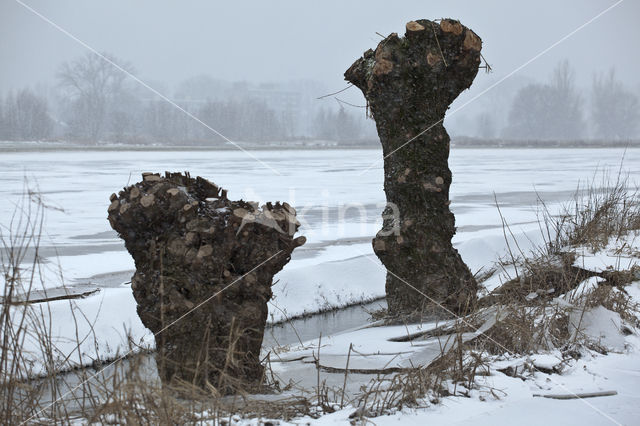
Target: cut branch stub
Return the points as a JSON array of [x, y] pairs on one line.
[[198, 253], [409, 84]]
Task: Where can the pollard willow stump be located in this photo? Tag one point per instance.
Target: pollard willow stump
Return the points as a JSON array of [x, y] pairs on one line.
[[204, 270], [409, 83]]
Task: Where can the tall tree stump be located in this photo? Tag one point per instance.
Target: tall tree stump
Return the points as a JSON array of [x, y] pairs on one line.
[[409, 84], [204, 270]]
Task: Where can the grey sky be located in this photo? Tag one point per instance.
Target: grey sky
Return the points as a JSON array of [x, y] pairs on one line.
[[282, 40]]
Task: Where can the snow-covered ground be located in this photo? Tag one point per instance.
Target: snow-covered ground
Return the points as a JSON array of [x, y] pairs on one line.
[[338, 198], [504, 400], [600, 386]]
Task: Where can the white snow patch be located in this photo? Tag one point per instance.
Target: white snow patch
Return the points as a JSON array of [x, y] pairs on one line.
[[600, 325], [620, 254]]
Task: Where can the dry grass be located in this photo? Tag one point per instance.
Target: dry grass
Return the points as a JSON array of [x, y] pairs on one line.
[[597, 213], [616, 300], [31, 361]]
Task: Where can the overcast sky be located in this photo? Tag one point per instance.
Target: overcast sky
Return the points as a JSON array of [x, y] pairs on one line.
[[282, 40]]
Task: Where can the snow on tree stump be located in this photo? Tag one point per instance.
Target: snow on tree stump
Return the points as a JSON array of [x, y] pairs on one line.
[[204, 271], [409, 84]]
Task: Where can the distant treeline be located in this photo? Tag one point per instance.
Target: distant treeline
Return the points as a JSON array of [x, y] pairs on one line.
[[468, 142], [93, 102], [557, 111]]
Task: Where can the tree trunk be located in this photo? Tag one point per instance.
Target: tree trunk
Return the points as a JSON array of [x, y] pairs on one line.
[[204, 270], [409, 84]]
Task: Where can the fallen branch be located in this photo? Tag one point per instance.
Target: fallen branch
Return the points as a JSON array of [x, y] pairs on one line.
[[577, 395]]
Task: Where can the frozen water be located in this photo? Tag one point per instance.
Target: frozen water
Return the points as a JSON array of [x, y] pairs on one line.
[[321, 184]]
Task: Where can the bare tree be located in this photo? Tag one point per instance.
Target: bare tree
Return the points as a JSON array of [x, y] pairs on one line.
[[548, 111], [91, 84], [321, 125], [615, 111], [32, 116], [409, 83], [566, 106], [485, 125], [25, 116], [347, 128], [3, 123], [9, 119]]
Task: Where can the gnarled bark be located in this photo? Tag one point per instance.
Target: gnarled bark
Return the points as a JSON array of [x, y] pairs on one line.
[[409, 84], [204, 270]]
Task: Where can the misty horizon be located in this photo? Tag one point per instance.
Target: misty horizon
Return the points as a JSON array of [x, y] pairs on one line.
[[230, 53]]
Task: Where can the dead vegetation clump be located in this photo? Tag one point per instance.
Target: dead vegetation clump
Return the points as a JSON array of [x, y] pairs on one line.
[[134, 396], [537, 302], [615, 299], [597, 213], [525, 330]]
